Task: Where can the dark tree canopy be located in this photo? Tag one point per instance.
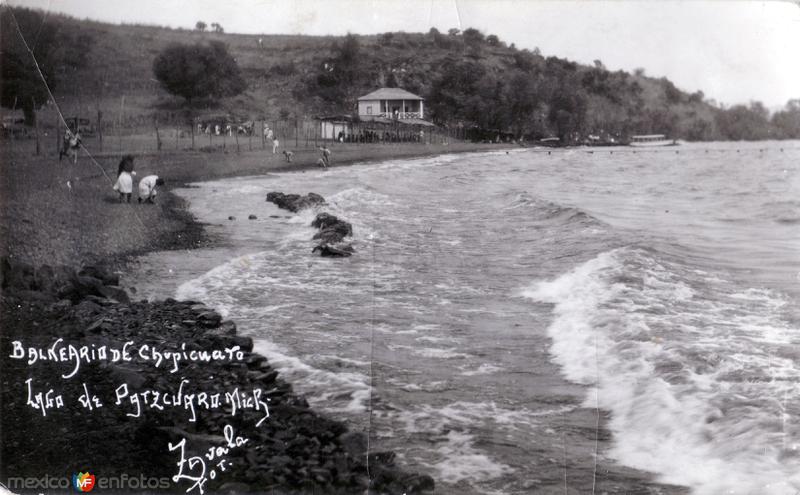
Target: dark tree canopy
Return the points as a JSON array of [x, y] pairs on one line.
[[22, 85], [199, 71], [56, 48]]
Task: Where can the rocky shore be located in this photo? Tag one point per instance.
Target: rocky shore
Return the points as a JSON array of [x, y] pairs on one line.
[[332, 230], [57, 218], [293, 450]]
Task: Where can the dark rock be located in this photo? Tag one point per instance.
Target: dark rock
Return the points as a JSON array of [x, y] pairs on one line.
[[329, 236], [134, 378], [60, 306], [97, 300], [254, 360], [114, 293], [100, 273], [209, 319], [83, 286], [417, 483], [227, 328], [245, 343], [332, 229], [385, 458], [354, 443], [266, 378], [17, 275], [334, 252], [252, 217], [294, 202], [231, 217], [98, 326], [323, 220], [35, 295]]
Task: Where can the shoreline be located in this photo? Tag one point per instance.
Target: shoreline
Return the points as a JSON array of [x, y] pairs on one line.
[[47, 204], [44, 299], [621, 472]]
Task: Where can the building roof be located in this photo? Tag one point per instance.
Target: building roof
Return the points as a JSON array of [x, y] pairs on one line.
[[390, 94]]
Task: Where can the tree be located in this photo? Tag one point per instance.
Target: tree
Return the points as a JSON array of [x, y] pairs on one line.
[[455, 93], [522, 100], [787, 121], [198, 71], [472, 36], [744, 122], [385, 39], [200, 26], [493, 40], [217, 28], [391, 81], [56, 50]]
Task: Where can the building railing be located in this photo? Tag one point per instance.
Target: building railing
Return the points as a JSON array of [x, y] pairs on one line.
[[402, 115]]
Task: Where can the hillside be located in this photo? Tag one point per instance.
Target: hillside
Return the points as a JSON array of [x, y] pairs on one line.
[[468, 79]]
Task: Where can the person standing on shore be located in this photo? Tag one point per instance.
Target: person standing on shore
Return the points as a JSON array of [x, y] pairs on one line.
[[65, 144], [326, 155], [72, 145], [275, 144], [125, 173], [147, 188]]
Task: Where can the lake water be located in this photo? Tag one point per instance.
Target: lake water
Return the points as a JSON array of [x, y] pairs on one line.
[[565, 322]]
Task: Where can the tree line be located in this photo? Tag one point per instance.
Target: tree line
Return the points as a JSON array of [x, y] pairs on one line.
[[468, 80]]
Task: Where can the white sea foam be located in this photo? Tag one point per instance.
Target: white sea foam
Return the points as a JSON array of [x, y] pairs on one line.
[[430, 352], [343, 391], [460, 460], [483, 369], [692, 390]]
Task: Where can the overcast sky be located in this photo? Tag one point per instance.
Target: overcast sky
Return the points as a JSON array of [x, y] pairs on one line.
[[734, 51]]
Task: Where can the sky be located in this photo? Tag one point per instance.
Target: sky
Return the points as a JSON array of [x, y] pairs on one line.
[[733, 51]]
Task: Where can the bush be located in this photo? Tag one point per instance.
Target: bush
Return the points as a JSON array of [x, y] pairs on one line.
[[199, 71]]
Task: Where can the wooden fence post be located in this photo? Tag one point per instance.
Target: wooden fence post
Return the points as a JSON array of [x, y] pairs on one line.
[[158, 136], [100, 128], [236, 136], [58, 133], [119, 129], [36, 122]]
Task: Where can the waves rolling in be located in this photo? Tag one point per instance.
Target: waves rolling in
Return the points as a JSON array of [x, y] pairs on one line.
[[701, 389], [662, 294]]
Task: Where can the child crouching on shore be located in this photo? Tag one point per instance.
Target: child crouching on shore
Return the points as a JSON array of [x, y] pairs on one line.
[[125, 173], [147, 188]]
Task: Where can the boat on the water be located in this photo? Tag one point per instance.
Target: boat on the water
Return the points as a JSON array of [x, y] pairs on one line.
[[652, 140]]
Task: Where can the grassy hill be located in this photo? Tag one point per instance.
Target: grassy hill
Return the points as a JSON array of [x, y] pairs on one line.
[[288, 77]]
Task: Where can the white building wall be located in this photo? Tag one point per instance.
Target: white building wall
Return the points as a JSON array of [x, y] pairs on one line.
[[369, 107]]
